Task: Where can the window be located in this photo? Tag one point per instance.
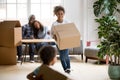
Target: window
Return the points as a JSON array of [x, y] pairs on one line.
[[21, 9], [2, 9]]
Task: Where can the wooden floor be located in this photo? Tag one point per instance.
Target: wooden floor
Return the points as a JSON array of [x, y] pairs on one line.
[[80, 70]]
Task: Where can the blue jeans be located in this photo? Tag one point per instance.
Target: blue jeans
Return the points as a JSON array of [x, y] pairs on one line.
[[64, 58], [39, 45], [31, 50], [19, 51]]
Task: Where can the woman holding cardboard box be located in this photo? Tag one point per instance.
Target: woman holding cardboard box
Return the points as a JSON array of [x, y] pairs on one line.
[[64, 54]]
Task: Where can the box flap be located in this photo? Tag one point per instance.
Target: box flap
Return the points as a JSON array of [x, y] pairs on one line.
[[10, 23], [48, 73], [64, 27]]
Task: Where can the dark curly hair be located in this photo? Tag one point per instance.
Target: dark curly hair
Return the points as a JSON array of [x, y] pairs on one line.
[[35, 30], [47, 54], [58, 8]]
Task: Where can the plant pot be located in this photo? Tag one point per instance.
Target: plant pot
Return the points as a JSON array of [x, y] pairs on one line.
[[114, 72]]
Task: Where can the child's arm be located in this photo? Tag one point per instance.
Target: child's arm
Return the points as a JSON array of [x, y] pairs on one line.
[[31, 76]]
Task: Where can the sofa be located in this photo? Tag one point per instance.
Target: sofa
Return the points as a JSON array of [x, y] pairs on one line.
[[77, 50], [92, 53]]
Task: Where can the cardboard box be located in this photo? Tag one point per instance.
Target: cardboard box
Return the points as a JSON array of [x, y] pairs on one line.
[[48, 73], [10, 33], [66, 36], [7, 56]]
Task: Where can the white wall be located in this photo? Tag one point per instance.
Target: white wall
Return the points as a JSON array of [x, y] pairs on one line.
[[91, 27], [74, 13], [81, 13]]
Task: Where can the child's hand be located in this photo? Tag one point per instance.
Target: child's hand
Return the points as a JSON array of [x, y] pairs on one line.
[[31, 76]]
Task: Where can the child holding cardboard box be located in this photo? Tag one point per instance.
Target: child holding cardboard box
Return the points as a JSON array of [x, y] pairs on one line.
[[64, 54]]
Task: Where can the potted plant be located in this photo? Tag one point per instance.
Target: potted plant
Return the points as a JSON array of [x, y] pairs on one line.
[[109, 34]]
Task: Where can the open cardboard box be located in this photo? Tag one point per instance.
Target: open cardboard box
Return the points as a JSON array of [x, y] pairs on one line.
[[48, 73], [66, 36], [7, 56], [10, 33]]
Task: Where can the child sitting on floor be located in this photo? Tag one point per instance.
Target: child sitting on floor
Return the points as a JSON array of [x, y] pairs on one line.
[[44, 72]]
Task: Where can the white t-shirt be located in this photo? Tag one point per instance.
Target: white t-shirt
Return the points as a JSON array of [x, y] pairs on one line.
[[57, 23]]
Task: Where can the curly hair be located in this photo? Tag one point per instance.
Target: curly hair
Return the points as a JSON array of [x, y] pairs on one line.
[[35, 30], [47, 54], [58, 8]]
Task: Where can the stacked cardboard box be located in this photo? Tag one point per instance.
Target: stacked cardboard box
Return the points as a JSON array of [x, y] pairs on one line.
[[11, 35], [66, 36]]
